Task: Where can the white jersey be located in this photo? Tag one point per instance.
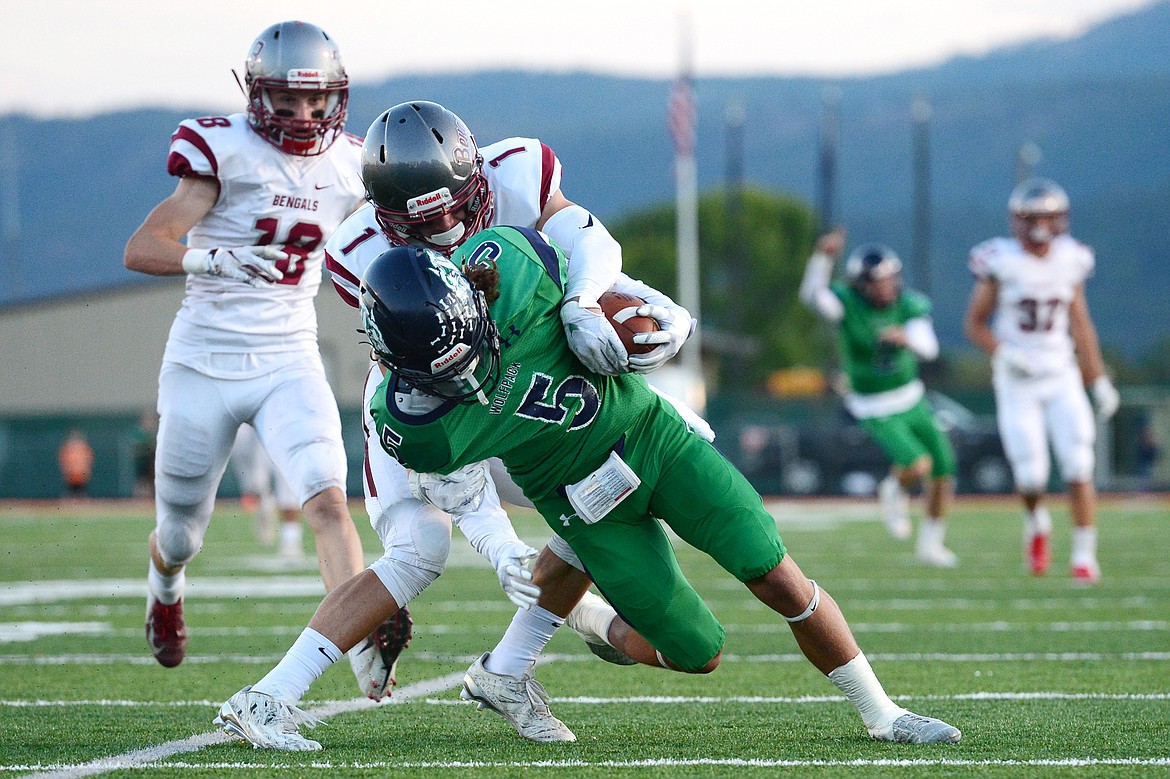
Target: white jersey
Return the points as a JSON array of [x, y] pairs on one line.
[[522, 174], [1034, 295], [266, 197]]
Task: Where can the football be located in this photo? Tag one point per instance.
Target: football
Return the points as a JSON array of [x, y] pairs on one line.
[[621, 311]]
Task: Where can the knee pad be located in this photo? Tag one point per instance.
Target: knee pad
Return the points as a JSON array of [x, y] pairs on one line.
[[179, 530], [560, 547], [1077, 463], [414, 533], [1030, 475], [401, 579]]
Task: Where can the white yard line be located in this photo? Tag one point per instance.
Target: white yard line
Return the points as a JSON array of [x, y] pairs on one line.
[[328, 708], [319, 765], [151, 755], [793, 657]]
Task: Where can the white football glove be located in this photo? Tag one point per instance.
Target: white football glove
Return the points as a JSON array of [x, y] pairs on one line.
[[676, 327], [593, 339], [1014, 362], [515, 578], [456, 493], [255, 265], [1106, 396]]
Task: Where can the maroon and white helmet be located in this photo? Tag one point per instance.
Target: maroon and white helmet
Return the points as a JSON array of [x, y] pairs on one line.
[[1039, 211], [296, 56]]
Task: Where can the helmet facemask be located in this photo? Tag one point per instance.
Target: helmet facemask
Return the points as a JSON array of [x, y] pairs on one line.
[[302, 137], [440, 220]]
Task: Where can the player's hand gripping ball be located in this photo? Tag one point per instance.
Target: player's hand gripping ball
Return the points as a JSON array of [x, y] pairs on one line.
[[622, 312]]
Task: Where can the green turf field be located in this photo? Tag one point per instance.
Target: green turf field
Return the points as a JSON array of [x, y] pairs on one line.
[[1044, 678]]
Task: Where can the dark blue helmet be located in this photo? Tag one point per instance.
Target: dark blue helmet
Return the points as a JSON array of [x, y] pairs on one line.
[[428, 325], [871, 262]]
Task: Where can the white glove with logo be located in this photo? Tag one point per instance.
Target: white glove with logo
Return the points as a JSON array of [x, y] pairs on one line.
[[255, 265], [1014, 362], [677, 326], [515, 578], [1106, 396], [456, 493], [593, 339]]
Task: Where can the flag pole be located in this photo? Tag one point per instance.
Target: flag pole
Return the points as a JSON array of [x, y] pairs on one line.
[[683, 121]]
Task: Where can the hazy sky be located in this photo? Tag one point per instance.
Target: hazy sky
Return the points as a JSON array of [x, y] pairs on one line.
[[76, 57]]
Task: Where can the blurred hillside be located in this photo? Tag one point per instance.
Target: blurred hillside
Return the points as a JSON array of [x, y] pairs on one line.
[[1098, 107]]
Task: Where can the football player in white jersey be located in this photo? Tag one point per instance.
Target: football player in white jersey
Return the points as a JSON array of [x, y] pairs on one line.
[[428, 183], [1029, 313], [258, 194]]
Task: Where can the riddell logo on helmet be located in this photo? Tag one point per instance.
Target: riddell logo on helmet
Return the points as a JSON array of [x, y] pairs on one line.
[[303, 74], [450, 357], [417, 205]]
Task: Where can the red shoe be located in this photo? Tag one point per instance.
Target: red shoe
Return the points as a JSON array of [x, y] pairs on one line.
[[375, 661], [166, 632], [1086, 573], [1038, 556]]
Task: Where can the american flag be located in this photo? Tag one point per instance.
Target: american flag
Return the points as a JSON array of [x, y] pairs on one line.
[[681, 118]]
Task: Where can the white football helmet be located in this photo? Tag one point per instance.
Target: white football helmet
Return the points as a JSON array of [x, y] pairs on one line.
[[1039, 211], [296, 56]]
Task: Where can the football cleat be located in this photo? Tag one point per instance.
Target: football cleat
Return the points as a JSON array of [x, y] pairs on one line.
[[375, 661], [1086, 572], [587, 618], [266, 723], [895, 505], [1038, 554], [912, 728], [937, 556], [522, 701], [166, 632]]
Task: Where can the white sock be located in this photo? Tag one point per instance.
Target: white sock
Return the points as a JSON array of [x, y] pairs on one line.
[[859, 684], [166, 589], [1084, 544], [302, 665], [291, 534], [1038, 522], [930, 533], [524, 640], [597, 615]]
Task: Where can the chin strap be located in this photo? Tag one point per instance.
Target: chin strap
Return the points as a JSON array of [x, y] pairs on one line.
[[812, 605]]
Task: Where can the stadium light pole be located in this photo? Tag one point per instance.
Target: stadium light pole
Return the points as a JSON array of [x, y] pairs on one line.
[[920, 113], [10, 209], [682, 121], [735, 118], [1027, 158], [827, 157]]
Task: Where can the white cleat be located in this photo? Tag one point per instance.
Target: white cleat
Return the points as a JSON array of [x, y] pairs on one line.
[[522, 701], [937, 556], [912, 728], [895, 508], [265, 723], [588, 618]]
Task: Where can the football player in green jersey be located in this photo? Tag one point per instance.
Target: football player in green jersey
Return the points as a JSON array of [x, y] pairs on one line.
[[883, 331], [482, 371]]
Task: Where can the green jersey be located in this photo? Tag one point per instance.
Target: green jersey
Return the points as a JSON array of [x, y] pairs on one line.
[[873, 366], [550, 419]]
